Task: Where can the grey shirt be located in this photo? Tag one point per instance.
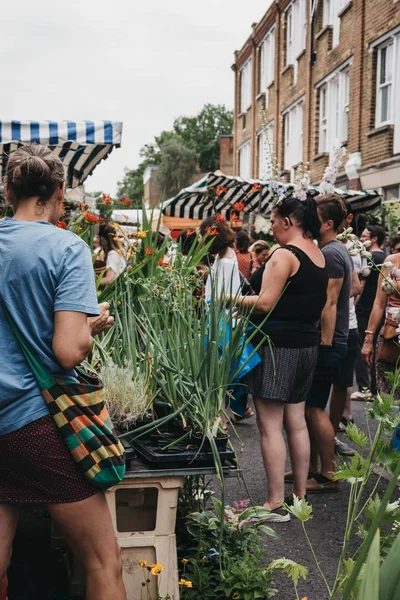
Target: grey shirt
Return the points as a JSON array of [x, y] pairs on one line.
[[340, 266]]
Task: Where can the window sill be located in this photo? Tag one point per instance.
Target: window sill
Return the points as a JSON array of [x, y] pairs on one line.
[[243, 113], [287, 69], [345, 9], [321, 155], [381, 129], [271, 84], [301, 54], [326, 30], [260, 96]]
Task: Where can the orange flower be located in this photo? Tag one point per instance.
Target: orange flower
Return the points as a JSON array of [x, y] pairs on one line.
[[239, 206], [148, 251], [63, 210], [234, 217], [162, 263], [256, 187], [127, 202], [189, 231], [212, 231], [220, 190], [62, 225], [106, 199], [90, 217], [220, 218]]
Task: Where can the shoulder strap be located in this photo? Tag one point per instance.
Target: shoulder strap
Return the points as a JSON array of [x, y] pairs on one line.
[[42, 376]]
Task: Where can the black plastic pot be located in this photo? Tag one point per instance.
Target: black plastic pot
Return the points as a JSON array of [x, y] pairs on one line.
[[221, 441]]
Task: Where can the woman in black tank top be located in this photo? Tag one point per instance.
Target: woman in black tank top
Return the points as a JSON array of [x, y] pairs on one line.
[[292, 288]]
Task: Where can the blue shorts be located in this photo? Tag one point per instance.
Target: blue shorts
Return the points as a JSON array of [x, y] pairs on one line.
[[330, 364]]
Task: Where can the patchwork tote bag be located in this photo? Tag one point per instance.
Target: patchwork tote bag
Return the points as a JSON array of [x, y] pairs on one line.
[[81, 417]]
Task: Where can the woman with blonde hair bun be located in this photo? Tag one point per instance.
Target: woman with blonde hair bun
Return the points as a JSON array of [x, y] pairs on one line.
[[261, 251]]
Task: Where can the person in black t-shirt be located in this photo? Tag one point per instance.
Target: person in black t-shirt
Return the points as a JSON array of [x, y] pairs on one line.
[[364, 374]]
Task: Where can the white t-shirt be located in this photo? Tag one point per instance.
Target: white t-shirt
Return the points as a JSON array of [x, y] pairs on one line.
[[357, 262], [116, 262], [225, 276]]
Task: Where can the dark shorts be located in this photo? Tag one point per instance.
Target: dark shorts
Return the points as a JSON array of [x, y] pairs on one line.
[[348, 364], [36, 467], [285, 377], [330, 362]]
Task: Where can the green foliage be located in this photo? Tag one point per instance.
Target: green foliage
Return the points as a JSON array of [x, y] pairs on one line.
[[191, 137], [177, 165], [369, 589], [300, 509], [292, 569], [245, 580]]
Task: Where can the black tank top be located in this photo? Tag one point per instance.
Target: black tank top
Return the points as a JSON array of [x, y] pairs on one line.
[[295, 319]]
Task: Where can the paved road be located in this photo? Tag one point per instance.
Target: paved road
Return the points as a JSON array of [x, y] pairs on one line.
[[325, 530]]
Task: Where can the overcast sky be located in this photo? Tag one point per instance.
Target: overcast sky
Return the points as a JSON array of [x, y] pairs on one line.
[[142, 63]]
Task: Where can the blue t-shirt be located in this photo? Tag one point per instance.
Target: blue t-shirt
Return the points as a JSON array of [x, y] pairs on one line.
[[43, 269]]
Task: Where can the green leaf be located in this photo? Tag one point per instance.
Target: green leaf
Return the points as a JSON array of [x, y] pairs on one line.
[[389, 578], [369, 589], [267, 530], [357, 436], [300, 509], [292, 569], [354, 470]]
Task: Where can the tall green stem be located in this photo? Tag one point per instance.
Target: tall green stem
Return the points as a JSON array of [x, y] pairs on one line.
[[316, 560]]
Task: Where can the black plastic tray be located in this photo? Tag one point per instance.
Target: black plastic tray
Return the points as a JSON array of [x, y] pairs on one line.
[[179, 455]]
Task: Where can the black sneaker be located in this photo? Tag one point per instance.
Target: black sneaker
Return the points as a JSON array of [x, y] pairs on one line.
[[289, 500], [278, 515], [343, 449]]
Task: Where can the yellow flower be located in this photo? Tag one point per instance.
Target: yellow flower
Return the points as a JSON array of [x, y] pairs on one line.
[[143, 563], [78, 228], [185, 561], [186, 583], [156, 569], [141, 234]]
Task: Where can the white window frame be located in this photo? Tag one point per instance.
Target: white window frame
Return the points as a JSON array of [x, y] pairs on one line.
[[244, 152], [296, 31], [265, 144], [267, 63], [331, 11], [334, 97], [293, 134], [390, 83], [246, 76]]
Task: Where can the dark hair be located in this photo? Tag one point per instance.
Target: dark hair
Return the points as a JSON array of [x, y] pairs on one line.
[[158, 238], [331, 208], [377, 231], [186, 241], [394, 241], [242, 242], [33, 171], [348, 207], [303, 212], [108, 233], [223, 236]]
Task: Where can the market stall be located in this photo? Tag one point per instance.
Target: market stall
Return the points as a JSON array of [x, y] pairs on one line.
[[81, 145], [217, 193]]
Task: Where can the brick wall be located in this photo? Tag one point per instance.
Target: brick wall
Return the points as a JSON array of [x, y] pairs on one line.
[[226, 154], [361, 23]]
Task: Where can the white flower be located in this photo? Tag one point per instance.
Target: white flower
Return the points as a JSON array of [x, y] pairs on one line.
[[367, 243], [389, 266], [387, 287], [365, 271], [395, 314], [354, 252], [396, 273], [366, 254]]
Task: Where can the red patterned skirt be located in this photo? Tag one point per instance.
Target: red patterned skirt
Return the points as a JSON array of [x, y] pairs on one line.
[[36, 467]]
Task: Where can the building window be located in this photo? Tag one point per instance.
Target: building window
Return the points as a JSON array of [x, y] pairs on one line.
[[334, 98], [332, 9], [267, 63], [265, 152], [293, 136], [385, 83], [245, 86], [296, 29], [245, 160]]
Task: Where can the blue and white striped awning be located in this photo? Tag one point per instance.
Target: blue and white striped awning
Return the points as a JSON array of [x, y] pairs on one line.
[[200, 200], [81, 145]]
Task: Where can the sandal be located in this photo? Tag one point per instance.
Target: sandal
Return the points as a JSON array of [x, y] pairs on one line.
[[248, 413]]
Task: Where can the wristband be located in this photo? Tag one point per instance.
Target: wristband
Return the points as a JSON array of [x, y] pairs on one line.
[[370, 332]]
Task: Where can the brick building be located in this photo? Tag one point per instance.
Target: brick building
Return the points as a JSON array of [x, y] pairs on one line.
[[314, 74]]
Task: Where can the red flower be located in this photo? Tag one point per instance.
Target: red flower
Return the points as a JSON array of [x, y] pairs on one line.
[[90, 217], [220, 218], [239, 206], [127, 202], [189, 231], [162, 263], [234, 217], [148, 251], [62, 225], [220, 190], [256, 187]]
